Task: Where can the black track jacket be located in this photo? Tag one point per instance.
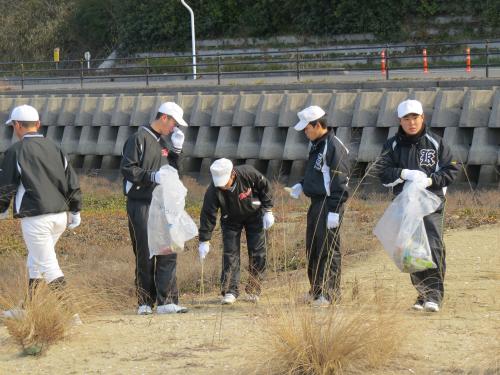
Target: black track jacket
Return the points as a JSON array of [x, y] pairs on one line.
[[236, 205], [37, 172], [327, 173], [144, 153], [425, 152]]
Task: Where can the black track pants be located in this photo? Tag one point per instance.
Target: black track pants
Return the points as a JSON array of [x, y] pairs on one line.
[[430, 283], [323, 252], [155, 278], [231, 235]]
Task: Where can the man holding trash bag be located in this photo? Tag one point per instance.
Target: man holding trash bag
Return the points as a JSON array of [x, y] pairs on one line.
[[415, 154], [143, 155], [325, 182], [243, 195]]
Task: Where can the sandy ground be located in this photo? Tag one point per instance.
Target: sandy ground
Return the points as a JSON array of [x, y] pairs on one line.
[[464, 338]]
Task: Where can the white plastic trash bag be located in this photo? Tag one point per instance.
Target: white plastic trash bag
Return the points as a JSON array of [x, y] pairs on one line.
[[401, 229], [169, 225]]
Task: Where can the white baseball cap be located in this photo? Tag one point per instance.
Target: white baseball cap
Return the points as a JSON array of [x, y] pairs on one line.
[[221, 171], [409, 106], [23, 113], [174, 110], [307, 115]]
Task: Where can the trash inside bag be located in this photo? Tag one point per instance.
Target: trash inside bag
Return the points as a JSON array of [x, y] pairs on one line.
[[401, 228], [169, 225]]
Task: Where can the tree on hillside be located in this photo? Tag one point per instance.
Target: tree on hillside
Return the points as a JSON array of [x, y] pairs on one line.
[[95, 25], [32, 28]]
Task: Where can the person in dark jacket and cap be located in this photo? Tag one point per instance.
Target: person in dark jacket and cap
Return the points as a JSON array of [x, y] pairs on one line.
[[416, 154], [144, 153], [326, 183], [243, 195]]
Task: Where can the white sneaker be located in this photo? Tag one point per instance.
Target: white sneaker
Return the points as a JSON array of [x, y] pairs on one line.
[[171, 308], [15, 313], [76, 321], [418, 305], [252, 298], [228, 299], [321, 301], [431, 306], [144, 310]]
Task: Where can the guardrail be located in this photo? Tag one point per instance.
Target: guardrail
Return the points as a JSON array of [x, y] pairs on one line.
[[296, 62]]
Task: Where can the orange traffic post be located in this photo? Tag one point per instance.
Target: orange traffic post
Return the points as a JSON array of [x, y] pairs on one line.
[[467, 60], [424, 54], [382, 61]]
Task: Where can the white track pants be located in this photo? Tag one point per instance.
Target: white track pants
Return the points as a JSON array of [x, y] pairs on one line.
[[40, 234]]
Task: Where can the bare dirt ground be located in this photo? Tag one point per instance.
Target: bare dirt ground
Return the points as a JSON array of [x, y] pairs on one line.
[[464, 338]]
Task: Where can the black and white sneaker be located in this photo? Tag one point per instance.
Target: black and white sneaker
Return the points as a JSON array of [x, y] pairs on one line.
[[228, 299], [419, 306], [430, 306], [171, 308], [144, 310]]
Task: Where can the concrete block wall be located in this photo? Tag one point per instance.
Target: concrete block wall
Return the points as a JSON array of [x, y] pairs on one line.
[[257, 127]]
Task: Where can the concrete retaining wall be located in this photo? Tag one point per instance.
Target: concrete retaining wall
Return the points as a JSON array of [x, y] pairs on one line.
[[256, 128]]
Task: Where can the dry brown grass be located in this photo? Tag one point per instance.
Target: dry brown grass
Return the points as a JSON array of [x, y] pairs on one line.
[[41, 320], [345, 337], [47, 316], [45, 319], [472, 208]]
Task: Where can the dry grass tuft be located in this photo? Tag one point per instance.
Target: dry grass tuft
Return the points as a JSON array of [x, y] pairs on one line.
[[45, 319], [48, 315], [318, 341]]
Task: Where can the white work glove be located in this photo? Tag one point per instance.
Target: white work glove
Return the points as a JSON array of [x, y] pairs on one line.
[[158, 176], [332, 221], [4, 215], [74, 220], [177, 138], [412, 175], [424, 183], [203, 249], [268, 220], [295, 191]]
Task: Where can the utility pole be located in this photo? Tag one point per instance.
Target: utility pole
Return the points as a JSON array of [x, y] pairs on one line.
[[193, 39]]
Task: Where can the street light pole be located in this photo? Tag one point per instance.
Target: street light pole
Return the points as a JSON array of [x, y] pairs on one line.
[[193, 39]]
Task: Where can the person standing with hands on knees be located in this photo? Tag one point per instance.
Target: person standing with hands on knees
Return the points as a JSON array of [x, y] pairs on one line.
[[243, 195], [325, 182], [144, 153], [415, 154], [47, 197]]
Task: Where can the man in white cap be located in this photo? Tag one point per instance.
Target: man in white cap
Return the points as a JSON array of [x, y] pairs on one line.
[[144, 153], [416, 154], [325, 182], [243, 195], [47, 195]]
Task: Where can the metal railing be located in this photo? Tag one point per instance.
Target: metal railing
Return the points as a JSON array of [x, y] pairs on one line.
[[298, 62]]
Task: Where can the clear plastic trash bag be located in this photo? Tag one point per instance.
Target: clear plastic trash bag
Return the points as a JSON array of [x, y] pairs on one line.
[[169, 225], [401, 228]]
